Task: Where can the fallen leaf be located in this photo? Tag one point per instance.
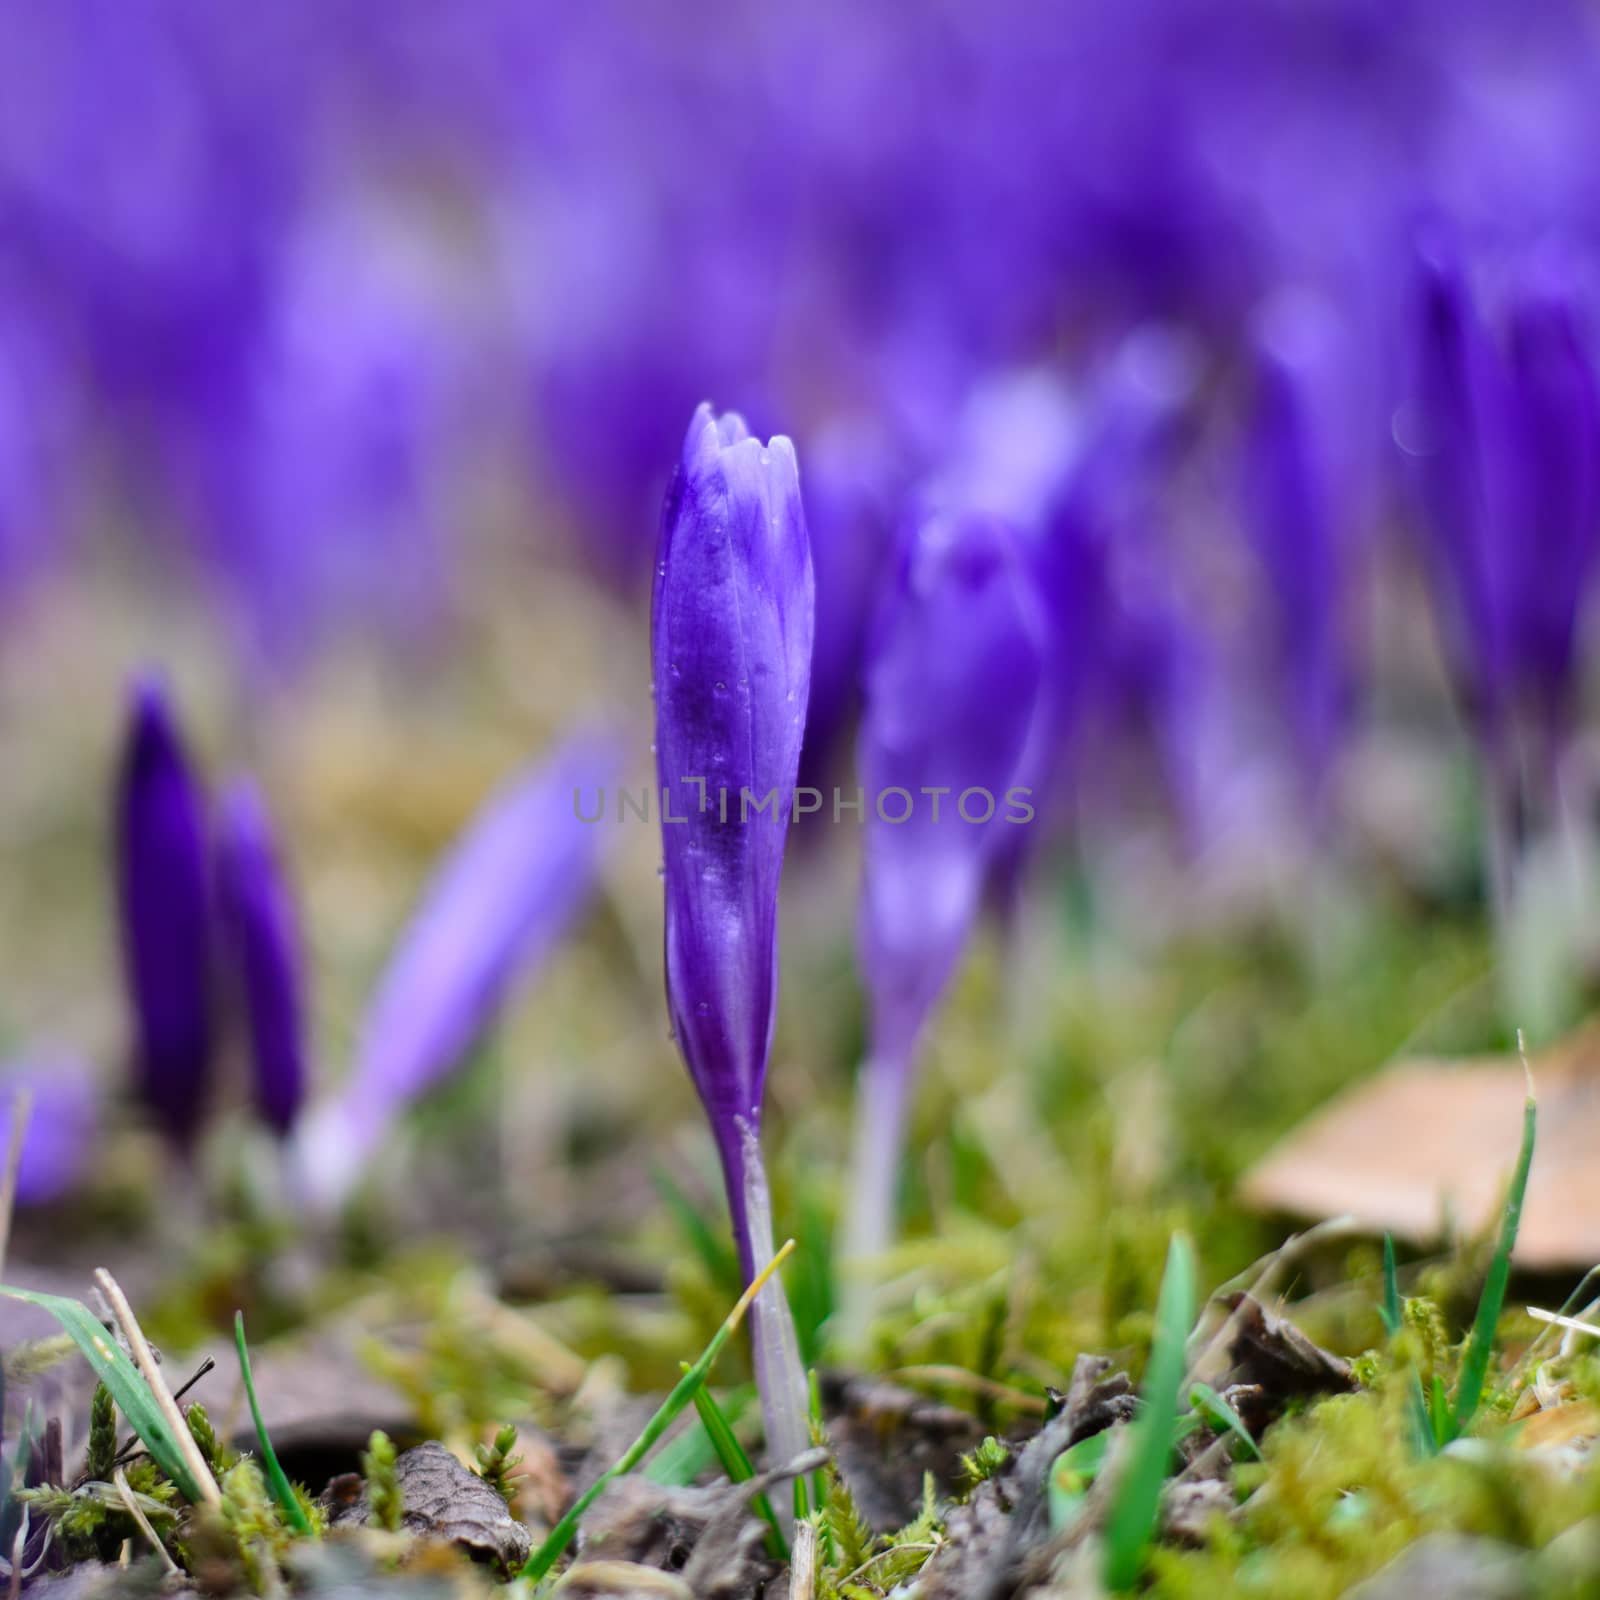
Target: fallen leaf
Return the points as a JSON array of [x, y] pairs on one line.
[[1273, 1362], [441, 1501], [1428, 1144]]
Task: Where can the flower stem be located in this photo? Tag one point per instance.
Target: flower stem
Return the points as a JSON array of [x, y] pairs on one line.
[[780, 1378], [882, 1097]]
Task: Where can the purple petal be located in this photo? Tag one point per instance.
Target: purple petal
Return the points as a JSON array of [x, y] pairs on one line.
[[1557, 536], [1452, 433], [1503, 434], [258, 920], [61, 1126], [1290, 516], [497, 905], [731, 640], [952, 689], [851, 483], [165, 902]]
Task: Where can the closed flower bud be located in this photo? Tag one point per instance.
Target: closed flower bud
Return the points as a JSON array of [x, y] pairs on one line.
[[952, 689], [164, 898], [731, 652], [497, 905], [259, 926]]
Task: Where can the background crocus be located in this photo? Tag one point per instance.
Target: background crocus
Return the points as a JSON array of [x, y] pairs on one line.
[[259, 925], [732, 620], [1502, 429], [62, 1123], [164, 897], [952, 688], [1292, 509], [501, 899]]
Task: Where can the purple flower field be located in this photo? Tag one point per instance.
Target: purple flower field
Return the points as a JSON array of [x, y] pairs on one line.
[[629, 633]]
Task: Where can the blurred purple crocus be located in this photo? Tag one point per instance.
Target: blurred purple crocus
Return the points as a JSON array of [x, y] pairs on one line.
[[1291, 515], [164, 894], [259, 924], [1503, 433], [731, 641], [954, 673], [504, 895], [1504, 436], [61, 1124]]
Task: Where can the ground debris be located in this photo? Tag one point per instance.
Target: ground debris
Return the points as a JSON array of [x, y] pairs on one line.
[[1191, 1506], [886, 1439], [1000, 1541], [442, 1501], [707, 1539], [1451, 1564], [90, 1580], [343, 1569], [622, 1580], [1272, 1362]]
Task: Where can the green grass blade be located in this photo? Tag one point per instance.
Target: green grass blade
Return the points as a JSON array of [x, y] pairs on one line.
[[1222, 1416], [1390, 1309], [128, 1388], [1480, 1348], [1137, 1500], [736, 1463], [1442, 1423], [1421, 1422], [560, 1536], [681, 1460], [819, 1435], [730, 1453], [283, 1493]]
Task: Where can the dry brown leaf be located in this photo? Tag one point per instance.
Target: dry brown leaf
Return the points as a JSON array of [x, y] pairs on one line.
[[1429, 1143]]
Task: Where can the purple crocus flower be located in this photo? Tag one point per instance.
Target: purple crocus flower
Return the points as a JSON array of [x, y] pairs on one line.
[[1291, 514], [497, 905], [61, 1125], [731, 638], [851, 474], [259, 923], [953, 683], [1504, 435], [164, 895]]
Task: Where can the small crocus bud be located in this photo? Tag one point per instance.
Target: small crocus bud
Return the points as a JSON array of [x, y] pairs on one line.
[[1292, 515], [1502, 429], [952, 690], [164, 896], [731, 644], [502, 898], [1504, 435], [259, 926], [62, 1109]]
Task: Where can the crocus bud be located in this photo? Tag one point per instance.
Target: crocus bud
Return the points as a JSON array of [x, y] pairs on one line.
[[1504, 436], [1291, 515], [1503, 433], [165, 904], [259, 926], [63, 1118], [503, 896], [953, 679], [731, 642]]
